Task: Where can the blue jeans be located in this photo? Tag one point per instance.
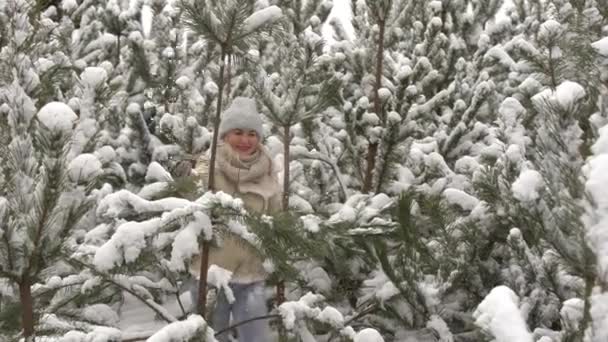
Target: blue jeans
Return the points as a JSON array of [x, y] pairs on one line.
[[249, 302]]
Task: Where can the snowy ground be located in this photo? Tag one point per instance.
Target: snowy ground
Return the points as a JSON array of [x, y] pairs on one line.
[[137, 318]]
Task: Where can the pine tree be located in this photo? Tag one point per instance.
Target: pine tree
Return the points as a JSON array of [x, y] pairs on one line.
[[118, 21], [233, 29], [301, 91], [449, 164], [379, 15], [422, 86], [57, 159], [298, 92], [41, 205], [550, 246]]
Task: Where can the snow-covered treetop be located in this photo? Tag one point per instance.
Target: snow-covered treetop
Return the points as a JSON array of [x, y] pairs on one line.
[[58, 117]]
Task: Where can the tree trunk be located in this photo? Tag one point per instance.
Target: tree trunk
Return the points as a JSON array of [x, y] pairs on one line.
[[586, 321], [379, 72], [216, 124], [286, 175], [202, 283], [27, 308], [370, 160], [285, 198], [228, 76], [372, 150], [589, 277], [118, 49]]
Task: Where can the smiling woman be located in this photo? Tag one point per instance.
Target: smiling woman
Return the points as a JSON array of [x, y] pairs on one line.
[[243, 169], [241, 115], [244, 142]]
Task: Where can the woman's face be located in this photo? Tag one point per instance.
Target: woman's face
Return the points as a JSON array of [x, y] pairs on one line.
[[243, 141]]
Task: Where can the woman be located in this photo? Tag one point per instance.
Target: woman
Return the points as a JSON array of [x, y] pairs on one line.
[[244, 170]]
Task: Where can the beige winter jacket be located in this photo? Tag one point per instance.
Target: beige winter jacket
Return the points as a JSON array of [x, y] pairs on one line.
[[255, 183]]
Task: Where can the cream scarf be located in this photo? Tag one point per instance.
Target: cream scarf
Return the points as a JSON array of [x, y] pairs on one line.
[[243, 170]]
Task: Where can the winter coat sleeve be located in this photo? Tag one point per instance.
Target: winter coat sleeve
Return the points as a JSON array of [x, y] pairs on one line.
[[275, 203]]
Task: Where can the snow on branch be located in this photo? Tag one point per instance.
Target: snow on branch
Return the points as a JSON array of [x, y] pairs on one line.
[[499, 314], [460, 198], [298, 152], [127, 243], [260, 18], [57, 117], [497, 53], [148, 299], [97, 334], [368, 335], [129, 240], [186, 330], [363, 210], [528, 186], [185, 245], [567, 94], [124, 203], [294, 310], [601, 46], [294, 313], [381, 287], [141, 282], [423, 109]]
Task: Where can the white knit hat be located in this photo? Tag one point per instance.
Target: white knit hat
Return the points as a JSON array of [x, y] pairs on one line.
[[241, 114]]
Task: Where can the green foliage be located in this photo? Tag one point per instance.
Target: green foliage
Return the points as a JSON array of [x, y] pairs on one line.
[[392, 151], [56, 77], [301, 12], [183, 186], [10, 316], [5, 136], [548, 257], [42, 217], [303, 90], [380, 9], [284, 241], [140, 67], [443, 81], [425, 244], [223, 24]]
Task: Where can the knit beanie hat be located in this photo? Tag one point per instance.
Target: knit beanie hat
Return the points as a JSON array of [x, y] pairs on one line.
[[241, 114]]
